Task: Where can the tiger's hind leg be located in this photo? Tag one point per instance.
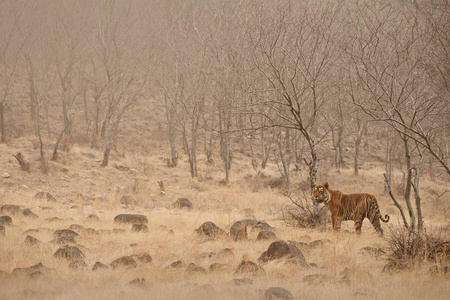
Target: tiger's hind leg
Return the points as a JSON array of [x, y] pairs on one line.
[[358, 223], [374, 217]]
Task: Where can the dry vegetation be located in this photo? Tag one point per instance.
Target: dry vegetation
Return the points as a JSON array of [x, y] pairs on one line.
[[236, 107]]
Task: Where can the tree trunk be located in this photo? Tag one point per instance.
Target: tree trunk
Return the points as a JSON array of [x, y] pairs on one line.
[[2, 122], [417, 194], [407, 194]]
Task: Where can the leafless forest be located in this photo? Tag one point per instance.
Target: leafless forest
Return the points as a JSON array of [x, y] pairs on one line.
[[240, 106]]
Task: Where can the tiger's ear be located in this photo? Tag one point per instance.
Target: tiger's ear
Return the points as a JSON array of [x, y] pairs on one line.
[[326, 185], [313, 186]]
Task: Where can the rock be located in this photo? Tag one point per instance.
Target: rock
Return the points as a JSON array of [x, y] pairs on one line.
[[176, 264], [78, 264], [11, 208], [137, 282], [143, 257], [210, 230], [247, 266], [5, 175], [315, 279], [45, 195], [71, 253], [131, 219], [29, 240], [28, 213], [238, 231], [275, 293], [242, 281], [284, 250], [93, 217], [266, 235], [77, 228], [124, 262], [393, 267], [53, 219], [118, 231], [98, 265], [182, 203], [318, 243], [31, 271], [258, 225], [218, 267], [2, 230], [139, 228], [64, 237], [193, 268], [5, 220], [374, 251], [17, 210], [127, 200], [64, 241]]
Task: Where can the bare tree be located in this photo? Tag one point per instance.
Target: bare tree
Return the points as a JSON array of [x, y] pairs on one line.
[[294, 51], [10, 44]]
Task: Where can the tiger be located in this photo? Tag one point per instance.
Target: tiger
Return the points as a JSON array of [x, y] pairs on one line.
[[354, 207]]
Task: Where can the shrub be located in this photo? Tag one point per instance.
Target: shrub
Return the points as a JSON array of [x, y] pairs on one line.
[[432, 245], [305, 214]]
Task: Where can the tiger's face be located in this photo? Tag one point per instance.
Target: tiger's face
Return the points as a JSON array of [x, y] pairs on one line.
[[320, 194]]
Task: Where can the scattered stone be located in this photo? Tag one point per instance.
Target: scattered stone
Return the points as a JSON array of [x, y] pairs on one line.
[[285, 250], [28, 213], [143, 257], [2, 230], [98, 265], [193, 268], [238, 231], [29, 240], [315, 279], [124, 262], [393, 267], [182, 203], [131, 219], [275, 293], [78, 264], [176, 264], [127, 200], [374, 251], [93, 217], [31, 271], [11, 208], [45, 195], [65, 233], [215, 267], [5, 175], [139, 228], [225, 253], [64, 241], [137, 282], [242, 281], [258, 225], [318, 243], [266, 235], [247, 266], [118, 231], [210, 230], [77, 228], [71, 253], [54, 219], [5, 220]]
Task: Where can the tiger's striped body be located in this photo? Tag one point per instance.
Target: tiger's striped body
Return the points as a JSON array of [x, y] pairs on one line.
[[354, 207]]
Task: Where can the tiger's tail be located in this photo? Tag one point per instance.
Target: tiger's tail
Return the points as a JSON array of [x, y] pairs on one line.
[[385, 219]]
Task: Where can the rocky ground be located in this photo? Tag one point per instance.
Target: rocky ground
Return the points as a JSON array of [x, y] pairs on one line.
[[79, 231]]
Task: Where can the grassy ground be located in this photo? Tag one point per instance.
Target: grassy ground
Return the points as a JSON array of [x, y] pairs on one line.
[[81, 188]]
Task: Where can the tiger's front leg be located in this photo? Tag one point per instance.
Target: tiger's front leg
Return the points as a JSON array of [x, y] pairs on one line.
[[336, 222]]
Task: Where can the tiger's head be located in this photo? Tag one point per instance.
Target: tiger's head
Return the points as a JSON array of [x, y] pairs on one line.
[[320, 193]]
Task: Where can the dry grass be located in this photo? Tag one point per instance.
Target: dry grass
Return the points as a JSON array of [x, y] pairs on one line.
[[81, 188]]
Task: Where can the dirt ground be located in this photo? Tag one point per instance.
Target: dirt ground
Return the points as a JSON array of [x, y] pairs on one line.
[[87, 198]]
